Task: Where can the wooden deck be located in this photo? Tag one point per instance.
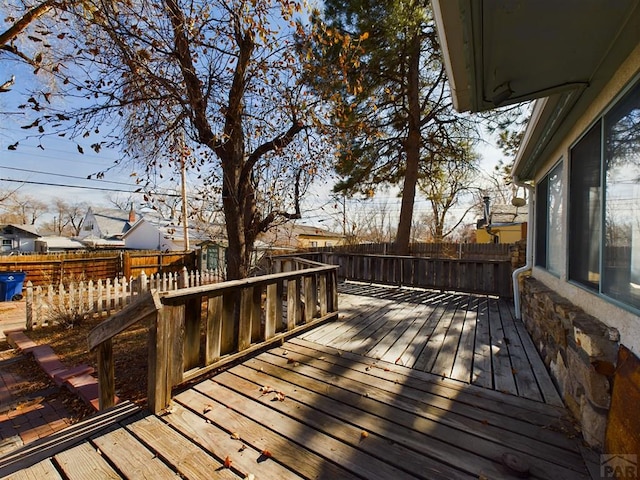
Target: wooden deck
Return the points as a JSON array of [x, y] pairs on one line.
[[471, 338], [407, 384]]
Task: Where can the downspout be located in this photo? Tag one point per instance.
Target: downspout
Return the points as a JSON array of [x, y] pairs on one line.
[[529, 252]]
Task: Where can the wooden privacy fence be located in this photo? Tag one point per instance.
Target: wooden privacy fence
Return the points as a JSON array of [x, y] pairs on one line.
[[491, 277], [45, 305], [53, 269], [468, 251], [195, 330]]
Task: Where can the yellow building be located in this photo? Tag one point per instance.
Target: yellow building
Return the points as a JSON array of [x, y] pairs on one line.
[[505, 224], [295, 237]]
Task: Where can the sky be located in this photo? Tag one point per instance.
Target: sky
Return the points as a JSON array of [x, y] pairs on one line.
[[59, 171]]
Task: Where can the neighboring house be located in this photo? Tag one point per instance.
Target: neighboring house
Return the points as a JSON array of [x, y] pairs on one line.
[[145, 235], [54, 244], [18, 238], [580, 154], [153, 232], [292, 237], [104, 228], [502, 224]]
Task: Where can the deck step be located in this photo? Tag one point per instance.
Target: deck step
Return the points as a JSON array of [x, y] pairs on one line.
[[64, 439]]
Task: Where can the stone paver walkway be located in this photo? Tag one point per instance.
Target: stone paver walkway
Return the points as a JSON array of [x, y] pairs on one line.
[[26, 419]]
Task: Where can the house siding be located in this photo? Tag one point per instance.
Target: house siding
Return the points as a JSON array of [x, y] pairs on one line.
[[625, 321], [579, 333]]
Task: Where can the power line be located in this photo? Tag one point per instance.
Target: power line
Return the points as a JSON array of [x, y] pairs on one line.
[[67, 176], [99, 189]]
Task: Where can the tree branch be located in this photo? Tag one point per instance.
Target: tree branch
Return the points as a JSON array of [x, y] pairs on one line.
[[19, 26], [278, 143], [264, 224], [192, 83]]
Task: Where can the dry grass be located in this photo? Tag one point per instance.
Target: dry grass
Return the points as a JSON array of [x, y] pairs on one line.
[[129, 349]]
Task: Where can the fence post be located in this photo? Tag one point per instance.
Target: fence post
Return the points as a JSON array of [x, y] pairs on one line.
[[143, 283], [29, 306], [183, 279]]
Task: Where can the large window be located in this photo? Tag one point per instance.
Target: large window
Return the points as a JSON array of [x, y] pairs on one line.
[[584, 209], [604, 245], [549, 221]]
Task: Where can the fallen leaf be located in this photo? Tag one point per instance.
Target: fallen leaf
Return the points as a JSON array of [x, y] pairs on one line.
[[386, 369], [285, 352], [235, 436], [266, 389], [280, 396], [266, 453], [364, 434], [290, 360], [250, 476], [242, 448], [207, 408], [227, 462]]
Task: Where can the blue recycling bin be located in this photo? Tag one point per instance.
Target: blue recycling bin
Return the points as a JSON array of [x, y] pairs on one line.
[[11, 285]]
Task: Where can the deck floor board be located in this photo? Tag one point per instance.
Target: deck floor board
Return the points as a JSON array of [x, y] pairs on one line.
[[405, 384]]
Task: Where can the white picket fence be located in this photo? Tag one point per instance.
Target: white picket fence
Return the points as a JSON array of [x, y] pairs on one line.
[[48, 305]]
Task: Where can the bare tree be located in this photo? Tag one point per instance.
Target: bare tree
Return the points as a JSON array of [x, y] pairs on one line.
[[23, 209], [68, 217], [452, 174], [219, 74]]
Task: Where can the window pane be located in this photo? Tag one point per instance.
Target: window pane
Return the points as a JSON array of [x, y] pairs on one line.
[[554, 221], [542, 200], [621, 256], [585, 210]]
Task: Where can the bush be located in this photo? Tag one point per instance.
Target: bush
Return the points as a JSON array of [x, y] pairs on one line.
[[67, 315]]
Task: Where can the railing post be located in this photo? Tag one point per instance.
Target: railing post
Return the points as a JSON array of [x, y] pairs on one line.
[[106, 375], [215, 317], [274, 309], [323, 293], [159, 388], [244, 324], [310, 298], [293, 303]]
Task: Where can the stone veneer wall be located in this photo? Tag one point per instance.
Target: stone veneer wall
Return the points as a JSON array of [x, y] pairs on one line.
[[579, 351]]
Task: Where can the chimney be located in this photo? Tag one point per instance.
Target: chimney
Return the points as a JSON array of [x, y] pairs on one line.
[[132, 215], [486, 209]]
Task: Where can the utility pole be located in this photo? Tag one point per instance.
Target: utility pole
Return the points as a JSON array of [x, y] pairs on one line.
[[184, 154], [344, 215]]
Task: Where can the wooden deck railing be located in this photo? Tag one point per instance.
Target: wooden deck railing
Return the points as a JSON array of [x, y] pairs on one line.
[[195, 330], [491, 277]]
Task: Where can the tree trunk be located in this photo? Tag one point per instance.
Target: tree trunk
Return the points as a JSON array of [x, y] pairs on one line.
[[411, 150]]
